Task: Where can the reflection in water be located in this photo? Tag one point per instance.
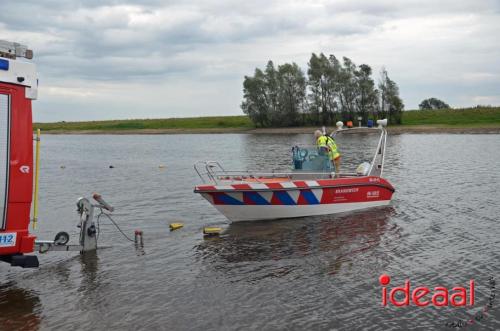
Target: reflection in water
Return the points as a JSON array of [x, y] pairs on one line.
[[329, 240], [90, 266], [19, 308], [139, 247]]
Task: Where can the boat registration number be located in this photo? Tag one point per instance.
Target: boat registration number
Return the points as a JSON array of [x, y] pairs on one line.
[[8, 239]]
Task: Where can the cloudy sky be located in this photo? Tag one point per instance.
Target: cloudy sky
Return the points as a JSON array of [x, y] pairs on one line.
[[109, 59]]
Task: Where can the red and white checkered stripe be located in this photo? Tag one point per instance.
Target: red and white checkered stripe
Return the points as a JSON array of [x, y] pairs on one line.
[[300, 184], [260, 186]]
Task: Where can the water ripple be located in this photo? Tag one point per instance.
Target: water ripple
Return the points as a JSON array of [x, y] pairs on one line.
[[318, 273]]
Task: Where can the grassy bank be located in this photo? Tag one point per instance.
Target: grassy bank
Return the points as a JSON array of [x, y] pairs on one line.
[[189, 123], [454, 117], [413, 121]]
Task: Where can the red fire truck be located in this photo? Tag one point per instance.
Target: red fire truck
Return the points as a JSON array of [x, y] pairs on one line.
[[18, 86]]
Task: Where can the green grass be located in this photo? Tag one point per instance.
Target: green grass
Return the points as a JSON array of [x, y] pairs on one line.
[[472, 117], [219, 122], [467, 117]]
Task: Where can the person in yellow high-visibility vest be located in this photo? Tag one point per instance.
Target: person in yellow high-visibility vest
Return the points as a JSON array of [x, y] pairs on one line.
[[327, 142]]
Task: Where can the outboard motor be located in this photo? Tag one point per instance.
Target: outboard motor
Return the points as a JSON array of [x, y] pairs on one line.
[[18, 86]]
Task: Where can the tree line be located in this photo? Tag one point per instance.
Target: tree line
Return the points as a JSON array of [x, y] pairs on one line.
[[333, 90]]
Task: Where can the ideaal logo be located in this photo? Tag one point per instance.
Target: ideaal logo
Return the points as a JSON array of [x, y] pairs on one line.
[[421, 296], [480, 315]]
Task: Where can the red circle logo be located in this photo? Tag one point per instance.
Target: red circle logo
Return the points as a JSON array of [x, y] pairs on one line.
[[384, 279]]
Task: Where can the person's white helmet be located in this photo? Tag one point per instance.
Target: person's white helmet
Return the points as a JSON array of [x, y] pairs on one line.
[[318, 133]]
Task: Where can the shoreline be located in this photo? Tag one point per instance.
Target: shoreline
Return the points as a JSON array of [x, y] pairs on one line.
[[400, 129]]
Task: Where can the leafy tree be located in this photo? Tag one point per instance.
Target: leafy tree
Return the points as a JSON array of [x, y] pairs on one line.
[[255, 99], [335, 74], [275, 97], [391, 105], [272, 90], [433, 103], [348, 89], [367, 98], [323, 80], [291, 94]]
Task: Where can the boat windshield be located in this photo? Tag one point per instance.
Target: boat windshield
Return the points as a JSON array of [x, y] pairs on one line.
[[311, 159]]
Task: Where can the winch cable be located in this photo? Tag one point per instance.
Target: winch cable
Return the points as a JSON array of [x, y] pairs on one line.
[[114, 223]]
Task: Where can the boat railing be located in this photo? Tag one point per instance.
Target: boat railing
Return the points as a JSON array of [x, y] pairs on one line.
[[219, 177], [358, 129], [206, 170], [377, 164], [211, 172]]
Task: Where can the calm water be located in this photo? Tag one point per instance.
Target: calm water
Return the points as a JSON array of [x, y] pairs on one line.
[[312, 273]]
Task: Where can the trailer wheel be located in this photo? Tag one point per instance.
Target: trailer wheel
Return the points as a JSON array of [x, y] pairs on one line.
[[61, 238]]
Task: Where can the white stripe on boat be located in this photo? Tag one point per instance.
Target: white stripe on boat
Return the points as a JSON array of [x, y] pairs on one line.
[[237, 213]]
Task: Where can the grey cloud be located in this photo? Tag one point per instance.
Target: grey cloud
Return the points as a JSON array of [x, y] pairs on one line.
[[158, 41], [93, 30]]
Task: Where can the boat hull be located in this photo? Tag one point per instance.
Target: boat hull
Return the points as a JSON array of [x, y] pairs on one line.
[[289, 199], [254, 213]]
